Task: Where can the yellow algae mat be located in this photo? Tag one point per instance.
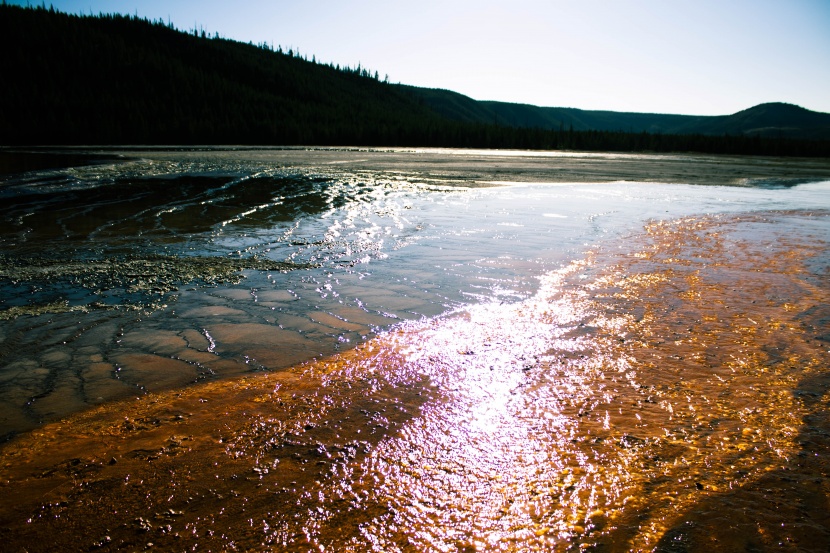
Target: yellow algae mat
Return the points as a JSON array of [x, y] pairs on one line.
[[668, 392]]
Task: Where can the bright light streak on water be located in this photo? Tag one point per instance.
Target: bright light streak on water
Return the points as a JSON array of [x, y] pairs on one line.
[[375, 238], [480, 375]]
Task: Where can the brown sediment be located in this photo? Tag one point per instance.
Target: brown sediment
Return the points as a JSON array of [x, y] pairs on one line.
[[217, 465], [668, 395], [731, 358]]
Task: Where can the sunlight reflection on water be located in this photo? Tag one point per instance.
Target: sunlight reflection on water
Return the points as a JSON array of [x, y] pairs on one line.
[[362, 247], [444, 367], [536, 445], [632, 392]]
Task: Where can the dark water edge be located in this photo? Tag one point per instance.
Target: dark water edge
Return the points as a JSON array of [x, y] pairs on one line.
[[15, 161]]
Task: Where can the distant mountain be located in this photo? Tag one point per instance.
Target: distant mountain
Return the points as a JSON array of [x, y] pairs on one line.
[[776, 120], [773, 120], [115, 79]]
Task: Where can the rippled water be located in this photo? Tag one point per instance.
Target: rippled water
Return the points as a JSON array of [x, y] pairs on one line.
[[509, 350]]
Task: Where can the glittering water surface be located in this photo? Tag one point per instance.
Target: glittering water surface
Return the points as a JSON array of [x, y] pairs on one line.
[[416, 351]]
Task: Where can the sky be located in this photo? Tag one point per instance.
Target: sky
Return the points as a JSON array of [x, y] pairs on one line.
[[696, 57]]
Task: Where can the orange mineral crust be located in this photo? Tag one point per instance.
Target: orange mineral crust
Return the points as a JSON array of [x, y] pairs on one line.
[[667, 391]]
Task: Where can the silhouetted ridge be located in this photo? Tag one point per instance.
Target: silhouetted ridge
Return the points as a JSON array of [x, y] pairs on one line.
[[115, 79], [779, 120], [773, 120], [119, 79]]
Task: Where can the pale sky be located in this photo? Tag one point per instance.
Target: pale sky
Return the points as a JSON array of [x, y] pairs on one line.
[[707, 57]]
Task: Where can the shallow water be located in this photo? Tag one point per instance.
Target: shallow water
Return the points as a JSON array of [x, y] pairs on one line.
[[609, 365], [175, 267]]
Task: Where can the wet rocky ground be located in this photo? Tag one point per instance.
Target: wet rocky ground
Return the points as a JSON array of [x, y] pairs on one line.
[[112, 280], [379, 350], [666, 393]]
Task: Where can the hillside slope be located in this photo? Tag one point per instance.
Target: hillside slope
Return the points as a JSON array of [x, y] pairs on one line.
[[773, 120], [114, 79]]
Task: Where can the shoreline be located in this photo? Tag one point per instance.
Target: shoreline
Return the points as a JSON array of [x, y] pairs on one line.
[[523, 166], [639, 382]]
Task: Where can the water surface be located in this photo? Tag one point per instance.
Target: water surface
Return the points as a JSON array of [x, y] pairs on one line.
[[440, 350]]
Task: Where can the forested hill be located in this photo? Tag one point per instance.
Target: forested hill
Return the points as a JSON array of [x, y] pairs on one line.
[[114, 79], [117, 79], [773, 120]]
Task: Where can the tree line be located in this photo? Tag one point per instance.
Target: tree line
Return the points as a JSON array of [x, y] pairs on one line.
[[121, 79]]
